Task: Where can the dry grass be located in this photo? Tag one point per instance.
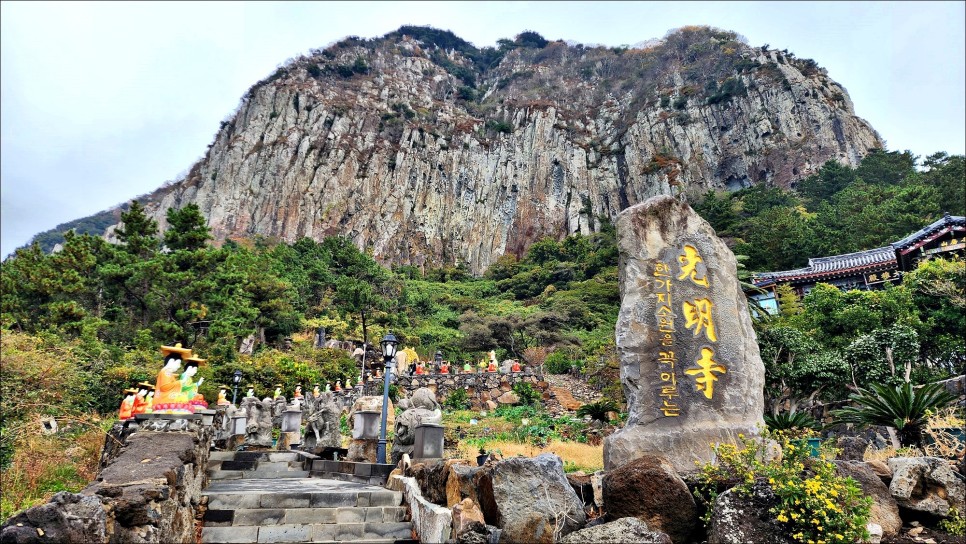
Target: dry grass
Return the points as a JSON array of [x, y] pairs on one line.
[[575, 455], [45, 465], [888, 452]]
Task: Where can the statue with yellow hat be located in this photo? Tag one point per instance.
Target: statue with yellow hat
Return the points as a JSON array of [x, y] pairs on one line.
[[189, 388], [126, 411], [167, 388], [141, 400]]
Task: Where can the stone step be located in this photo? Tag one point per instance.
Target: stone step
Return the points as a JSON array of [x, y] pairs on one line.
[[221, 456], [315, 516], [371, 480], [370, 532], [218, 474], [296, 493]]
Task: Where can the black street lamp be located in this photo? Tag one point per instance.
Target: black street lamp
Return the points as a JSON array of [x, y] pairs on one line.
[[389, 344], [235, 380]]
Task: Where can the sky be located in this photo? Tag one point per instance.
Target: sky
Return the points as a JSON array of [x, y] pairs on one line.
[[101, 102]]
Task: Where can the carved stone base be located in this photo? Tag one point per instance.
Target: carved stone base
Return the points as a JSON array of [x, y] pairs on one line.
[[683, 447]]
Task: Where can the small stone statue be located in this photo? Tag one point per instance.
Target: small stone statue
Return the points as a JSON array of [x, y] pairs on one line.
[[322, 429], [422, 408], [259, 428]]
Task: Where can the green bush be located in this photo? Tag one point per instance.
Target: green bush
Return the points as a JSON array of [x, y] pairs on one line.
[[528, 395], [903, 407], [811, 502], [559, 362], [790, 421], [598, 410], [457, 400]]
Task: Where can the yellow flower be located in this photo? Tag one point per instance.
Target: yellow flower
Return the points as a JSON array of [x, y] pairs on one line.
[[782, 518]]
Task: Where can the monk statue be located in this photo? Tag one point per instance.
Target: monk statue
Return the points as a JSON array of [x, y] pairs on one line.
[[149, 400], [298, 392], [444, 368], [167, 387], [222, 397], [189, 388], [278, 391], [126, 411], [140, 400], [516, 366]]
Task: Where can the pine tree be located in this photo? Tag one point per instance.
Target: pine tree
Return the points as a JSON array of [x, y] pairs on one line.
[[187, 229], [138, 233]]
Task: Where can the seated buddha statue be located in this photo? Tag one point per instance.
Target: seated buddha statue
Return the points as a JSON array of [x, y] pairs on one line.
[[140, 400]]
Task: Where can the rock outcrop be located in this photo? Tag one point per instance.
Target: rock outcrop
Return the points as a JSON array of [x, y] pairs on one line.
[[649, 489], [434, 155]]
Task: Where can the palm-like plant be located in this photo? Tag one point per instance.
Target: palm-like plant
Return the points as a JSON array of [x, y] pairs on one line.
[[788, 421], [598, 410], [903, 407]]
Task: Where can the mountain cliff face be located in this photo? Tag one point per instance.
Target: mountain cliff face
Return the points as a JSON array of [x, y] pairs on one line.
[[430, 151]]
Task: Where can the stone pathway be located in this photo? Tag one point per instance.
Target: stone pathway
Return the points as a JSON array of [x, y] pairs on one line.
[[289, 506]]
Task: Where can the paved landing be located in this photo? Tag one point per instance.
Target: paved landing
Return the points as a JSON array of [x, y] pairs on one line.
[[287, 485]]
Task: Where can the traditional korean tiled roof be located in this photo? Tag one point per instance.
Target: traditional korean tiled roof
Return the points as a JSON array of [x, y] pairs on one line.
[[880, 258], [952, 222]]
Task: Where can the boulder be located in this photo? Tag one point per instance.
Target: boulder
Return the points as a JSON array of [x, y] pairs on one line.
[[737, 519], [461, 483], [529, 499], [649, 489], [885, 511], [508, 398], [881, 470], [617, 532], [467, 517], [851, 448], [927, 484], [690, 366], [68, 517]]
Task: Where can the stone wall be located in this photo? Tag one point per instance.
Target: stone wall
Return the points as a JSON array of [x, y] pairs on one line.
[[492, 387], [148, 490]]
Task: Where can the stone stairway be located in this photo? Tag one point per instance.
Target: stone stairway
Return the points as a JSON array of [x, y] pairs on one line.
[[269, 497]]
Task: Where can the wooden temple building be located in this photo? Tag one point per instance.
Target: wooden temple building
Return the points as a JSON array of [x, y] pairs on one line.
[[869, 269]]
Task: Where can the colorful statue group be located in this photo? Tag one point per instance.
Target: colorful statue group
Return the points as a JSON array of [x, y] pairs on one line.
[[137, 400], [178, 395]]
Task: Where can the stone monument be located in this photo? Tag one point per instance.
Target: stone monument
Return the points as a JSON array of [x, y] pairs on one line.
[[689, 362]]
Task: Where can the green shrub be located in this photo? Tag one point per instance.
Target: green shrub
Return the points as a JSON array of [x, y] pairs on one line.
[[790, 421], [812, 502], [903, 407], [528, 395], [457, 400], [598, 410], [559, 362]]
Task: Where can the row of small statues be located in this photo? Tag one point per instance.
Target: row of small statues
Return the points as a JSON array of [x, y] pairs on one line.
[[444, 368], [172, 393]]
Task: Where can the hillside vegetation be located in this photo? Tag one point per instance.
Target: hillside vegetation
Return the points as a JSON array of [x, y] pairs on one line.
[[82, 324]]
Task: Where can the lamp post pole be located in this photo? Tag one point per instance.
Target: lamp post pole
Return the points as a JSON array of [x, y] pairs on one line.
[[389, 344], [236, 379]]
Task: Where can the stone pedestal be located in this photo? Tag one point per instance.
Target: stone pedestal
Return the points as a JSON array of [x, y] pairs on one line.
[[362, 450], [286, 440], [689, 360]]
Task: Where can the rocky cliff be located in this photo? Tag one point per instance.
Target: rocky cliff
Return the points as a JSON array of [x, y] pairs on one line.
[[430, 151]]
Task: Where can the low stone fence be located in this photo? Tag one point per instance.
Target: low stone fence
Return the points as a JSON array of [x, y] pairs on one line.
[[148, 490], [481, 388]]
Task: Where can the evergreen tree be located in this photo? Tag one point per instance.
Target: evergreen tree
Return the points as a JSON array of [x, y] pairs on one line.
[[138, 232], [187, 229]]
